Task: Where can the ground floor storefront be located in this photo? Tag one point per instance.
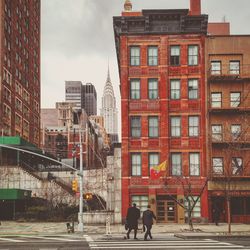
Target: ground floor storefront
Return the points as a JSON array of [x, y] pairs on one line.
[[238, 197], [13, 201], [167, 203]]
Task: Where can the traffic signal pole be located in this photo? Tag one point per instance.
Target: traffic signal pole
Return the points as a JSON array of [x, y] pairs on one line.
[[80, 214]]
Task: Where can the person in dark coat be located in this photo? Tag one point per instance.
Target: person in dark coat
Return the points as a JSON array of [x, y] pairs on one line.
[[147, 220], [133, 214], [216, 213]]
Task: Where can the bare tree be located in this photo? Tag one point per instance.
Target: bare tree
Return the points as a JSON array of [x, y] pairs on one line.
[[229, 167], [190, 198]]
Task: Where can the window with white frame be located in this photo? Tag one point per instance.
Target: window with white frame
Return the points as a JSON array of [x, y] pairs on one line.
[[152, 55], [135, 89], [217, 132], [135, 126], [141, 202], [194, 164], [153, 89], [217, 163], [234, 67], [193, 125], [235, 131], [175, 89], [237, 165], [175, 123], [134, 56], [153, 160], [193, 88], [136, 164], [196, 213], [234, 99], [193, 55], [153, 126], [175, 55], [216, 100], [215, 67], [176, 164]]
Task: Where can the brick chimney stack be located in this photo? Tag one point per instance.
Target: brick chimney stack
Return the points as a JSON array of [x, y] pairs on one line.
[[195, 7]]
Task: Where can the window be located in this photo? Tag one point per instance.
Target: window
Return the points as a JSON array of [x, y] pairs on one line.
[[136, 164], [175, 126], [234, 99], [234, 67], [153, 124], [194, 164], [216, 100], [235, 131], [193, 55], [215, 67], [152, 56], [237, 165], [134, 56], [175, 55], [175, 89], [193, 125], [217, 132], [141, 202], [135, 126], [217, 165], [193, 89], [176, 164], [135, 89], [153, 160], [196, 213], [153, 89]]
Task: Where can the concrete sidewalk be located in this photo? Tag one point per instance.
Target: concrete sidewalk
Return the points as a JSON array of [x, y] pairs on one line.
[[12, 228]]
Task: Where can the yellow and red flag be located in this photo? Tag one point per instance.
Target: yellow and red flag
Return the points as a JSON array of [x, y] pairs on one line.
[[157, 171]]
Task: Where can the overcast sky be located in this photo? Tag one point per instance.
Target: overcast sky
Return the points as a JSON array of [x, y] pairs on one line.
[[77, 39]]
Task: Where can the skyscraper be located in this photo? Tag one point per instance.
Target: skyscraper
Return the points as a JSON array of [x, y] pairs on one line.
[[109, 110], [89, 101], [20, 69], [73, 93], [84, 96]]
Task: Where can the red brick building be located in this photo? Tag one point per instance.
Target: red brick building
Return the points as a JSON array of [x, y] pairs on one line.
[[20, 69], [161, 58], [228, 94]]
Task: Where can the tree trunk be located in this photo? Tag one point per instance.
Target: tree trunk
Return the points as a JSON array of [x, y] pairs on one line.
[[190, 221], [229, 215]]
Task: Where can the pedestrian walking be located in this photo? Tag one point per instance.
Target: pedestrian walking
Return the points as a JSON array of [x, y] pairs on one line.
[[147, 220], [133, 215], [216, 213]]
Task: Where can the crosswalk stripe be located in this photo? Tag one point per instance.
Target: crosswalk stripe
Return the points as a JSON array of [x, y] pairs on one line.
[[167, 247], [170, 244], [50, 238], [11, 240]]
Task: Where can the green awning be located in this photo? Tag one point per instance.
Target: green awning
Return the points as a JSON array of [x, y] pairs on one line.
[[19, 142], [14, 194]]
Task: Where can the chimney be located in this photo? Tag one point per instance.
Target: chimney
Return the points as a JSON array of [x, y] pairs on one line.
[[195, 7]]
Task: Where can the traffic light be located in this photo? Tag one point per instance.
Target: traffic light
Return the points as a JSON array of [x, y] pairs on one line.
[[88, 196], [74, 185]]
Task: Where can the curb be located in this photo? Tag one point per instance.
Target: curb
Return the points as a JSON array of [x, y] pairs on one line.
[[211, 236]]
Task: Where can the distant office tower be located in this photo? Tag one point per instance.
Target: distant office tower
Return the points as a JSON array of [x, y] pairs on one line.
[[73, 93], [89, 101], [20, 69], [109, 110]]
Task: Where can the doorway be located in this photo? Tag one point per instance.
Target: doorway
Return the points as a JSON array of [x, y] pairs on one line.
[[166, 209]]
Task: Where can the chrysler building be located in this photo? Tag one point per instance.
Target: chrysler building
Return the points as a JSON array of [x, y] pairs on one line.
[[109, 110]]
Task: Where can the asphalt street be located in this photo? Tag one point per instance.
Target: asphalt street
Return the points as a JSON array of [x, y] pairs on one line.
[[95, 241]]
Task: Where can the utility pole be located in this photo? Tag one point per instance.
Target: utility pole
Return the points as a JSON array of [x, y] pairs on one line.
[[80, 215]]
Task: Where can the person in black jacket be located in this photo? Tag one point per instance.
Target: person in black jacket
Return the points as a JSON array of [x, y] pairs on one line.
[[147, 220], [133, 214]]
